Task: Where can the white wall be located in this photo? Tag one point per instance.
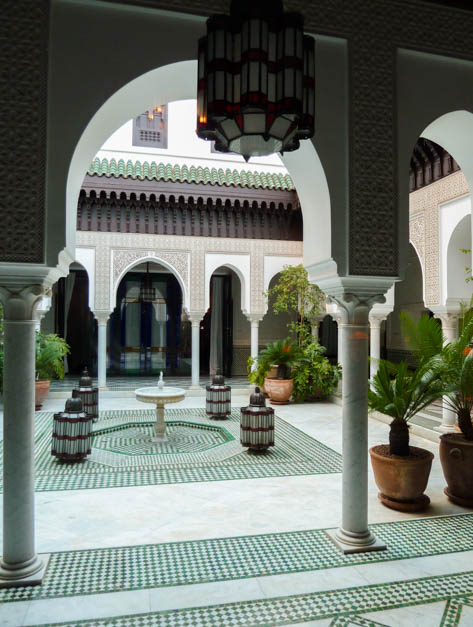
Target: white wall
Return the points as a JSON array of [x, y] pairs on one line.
[[184, 147], [455, 233]]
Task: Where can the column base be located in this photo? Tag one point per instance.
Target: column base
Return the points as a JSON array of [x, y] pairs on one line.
[[355, 543], [445, 429], [31, 574], [195, 386]]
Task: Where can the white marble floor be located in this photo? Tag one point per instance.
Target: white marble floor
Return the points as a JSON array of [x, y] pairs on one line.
[[92, 519]]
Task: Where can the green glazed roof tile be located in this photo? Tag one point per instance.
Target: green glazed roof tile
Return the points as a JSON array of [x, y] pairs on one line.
[[185, 174]]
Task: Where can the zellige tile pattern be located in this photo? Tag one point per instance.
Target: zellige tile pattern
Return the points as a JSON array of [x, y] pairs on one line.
[[201, 561], [305, 607], [295, 453]]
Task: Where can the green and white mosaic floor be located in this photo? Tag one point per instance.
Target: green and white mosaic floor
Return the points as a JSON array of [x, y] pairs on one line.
[[199, 449], [185, 563], [166, 548], [345, 605]]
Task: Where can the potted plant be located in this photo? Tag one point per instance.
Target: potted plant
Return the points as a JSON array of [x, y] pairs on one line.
[[284, 354], [50, 352], [401, 471], [453, 366], [315, 377]]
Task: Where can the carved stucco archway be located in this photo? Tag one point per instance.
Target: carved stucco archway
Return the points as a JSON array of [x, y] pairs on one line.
[[240, 265], [125, 260]]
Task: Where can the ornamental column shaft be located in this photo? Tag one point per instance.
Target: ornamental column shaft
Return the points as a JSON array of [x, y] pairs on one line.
[[449, 329], [354, 534], [102, 319], [375, 341], [196, 319], [254, 347], [20, 564]]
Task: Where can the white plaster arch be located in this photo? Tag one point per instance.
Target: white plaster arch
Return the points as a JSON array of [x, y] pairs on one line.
[[241, 266], [454, 132], [272, 266], [151, 259], [177, 81], [86, 257], [457, 235], [421, 263]]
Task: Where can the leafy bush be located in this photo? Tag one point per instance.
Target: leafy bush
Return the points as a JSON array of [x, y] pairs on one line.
[[315, 377], [282, 353], [50, 352]]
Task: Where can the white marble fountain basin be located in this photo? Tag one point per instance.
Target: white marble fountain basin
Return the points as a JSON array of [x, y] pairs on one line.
[[160, 396]]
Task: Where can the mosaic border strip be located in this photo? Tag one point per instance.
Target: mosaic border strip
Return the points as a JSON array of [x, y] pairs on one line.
[[81, 572], [295, 453], [304, 607]]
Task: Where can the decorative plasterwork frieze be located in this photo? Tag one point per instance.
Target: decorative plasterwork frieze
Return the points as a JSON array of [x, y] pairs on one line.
[[186, 255], [424, 228]]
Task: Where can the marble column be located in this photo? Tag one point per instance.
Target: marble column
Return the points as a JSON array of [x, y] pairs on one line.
[[354, 535], [196, 318], [102, 320], [254, 320], [449, 322], [20, 564], [314, 326], [44, 306], [337, 316], [375, 319]]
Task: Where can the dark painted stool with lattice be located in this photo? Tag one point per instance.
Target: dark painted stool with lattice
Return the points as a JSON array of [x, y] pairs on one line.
[[88, 394], [72, 432], [257, 423], [218, 398]]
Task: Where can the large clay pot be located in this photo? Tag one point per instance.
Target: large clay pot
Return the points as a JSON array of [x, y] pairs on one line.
[[41, 391], [456, 457], [402, 480], [278, 390]]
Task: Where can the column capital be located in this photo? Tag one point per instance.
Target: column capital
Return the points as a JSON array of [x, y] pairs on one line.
[[354, 307], [448, 317], [196, 317], [102, 317], [255, 318], [377, 317], [20, 302]]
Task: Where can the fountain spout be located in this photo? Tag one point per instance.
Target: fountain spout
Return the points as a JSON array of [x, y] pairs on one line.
[[161, 381]]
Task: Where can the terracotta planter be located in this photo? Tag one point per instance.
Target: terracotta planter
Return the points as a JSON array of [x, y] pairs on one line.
[[278, 390], [402, 481], [272, 374], [41, 391], [456, 457]]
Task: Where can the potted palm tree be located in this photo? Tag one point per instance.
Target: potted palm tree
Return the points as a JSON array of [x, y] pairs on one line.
[[402, 471], [453, 366], [50, 352], [285, 354]]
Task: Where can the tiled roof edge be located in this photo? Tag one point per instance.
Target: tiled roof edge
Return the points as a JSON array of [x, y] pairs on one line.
[[189, 174]]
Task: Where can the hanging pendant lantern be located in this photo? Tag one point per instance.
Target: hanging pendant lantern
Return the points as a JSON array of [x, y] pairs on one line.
[[256, 80], [147, 291]]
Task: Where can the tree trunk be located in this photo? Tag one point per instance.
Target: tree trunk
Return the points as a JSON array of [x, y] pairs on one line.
[[282, 371], [399, 439], [464, 422]]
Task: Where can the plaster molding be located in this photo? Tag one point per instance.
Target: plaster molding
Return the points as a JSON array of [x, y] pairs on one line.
[[355, 306], [102, 317], [20, 303]]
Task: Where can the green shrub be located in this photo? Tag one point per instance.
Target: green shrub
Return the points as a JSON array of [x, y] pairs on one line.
[[314, 377], [50, 352]]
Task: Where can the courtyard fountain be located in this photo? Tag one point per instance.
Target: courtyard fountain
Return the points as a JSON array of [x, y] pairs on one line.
[[160, 395]]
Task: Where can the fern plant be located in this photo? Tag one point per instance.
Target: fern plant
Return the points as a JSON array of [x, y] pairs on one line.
[[452, 363], [400, 393], [50, 352], [315, 377]]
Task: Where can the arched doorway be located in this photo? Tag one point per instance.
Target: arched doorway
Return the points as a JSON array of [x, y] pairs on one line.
[[148, 329]]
